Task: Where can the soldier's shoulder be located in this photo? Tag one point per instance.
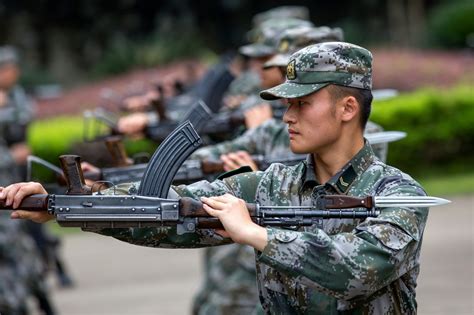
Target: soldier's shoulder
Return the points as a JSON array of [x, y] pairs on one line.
[[389, 177]]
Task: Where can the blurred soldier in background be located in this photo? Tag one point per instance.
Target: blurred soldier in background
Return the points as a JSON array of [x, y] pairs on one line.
[[16, 112], [21, 265]]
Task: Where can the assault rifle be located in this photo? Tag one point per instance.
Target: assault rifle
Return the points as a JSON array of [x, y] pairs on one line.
[[148, 206]]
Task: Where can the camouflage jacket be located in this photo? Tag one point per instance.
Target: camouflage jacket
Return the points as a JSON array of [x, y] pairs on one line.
[[334, 266], [271, 140]]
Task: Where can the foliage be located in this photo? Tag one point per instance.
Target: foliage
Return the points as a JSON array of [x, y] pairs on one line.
[[440, 127], [159, 48], [452, 22]]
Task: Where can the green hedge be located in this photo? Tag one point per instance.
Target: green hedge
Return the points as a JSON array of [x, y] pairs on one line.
[[451, 22], [440, 127]]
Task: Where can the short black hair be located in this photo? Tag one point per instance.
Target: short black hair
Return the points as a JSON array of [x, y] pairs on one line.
[[364, 98]]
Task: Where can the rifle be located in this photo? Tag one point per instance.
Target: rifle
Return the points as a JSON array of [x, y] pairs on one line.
[[216, 125], [148, 207]]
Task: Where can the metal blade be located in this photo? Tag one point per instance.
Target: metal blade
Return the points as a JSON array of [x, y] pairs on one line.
[[409, 201], [385, 136]]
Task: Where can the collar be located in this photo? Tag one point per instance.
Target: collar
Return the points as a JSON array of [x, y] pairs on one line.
[[342, 180]]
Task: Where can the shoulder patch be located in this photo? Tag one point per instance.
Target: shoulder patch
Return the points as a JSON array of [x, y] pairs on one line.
[[346, 179]]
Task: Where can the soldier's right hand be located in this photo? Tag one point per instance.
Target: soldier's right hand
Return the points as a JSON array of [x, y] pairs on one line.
[[14, 194]]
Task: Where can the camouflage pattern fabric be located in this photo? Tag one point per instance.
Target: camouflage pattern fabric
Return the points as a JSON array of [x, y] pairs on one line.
[[229, 286], [334, 266], [247, 83], [15, 115], [316, 66], [294, 39], [21, 268], [266, 36], [282, 12]]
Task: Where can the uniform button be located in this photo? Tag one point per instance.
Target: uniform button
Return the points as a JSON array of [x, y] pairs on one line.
[[286, 237]]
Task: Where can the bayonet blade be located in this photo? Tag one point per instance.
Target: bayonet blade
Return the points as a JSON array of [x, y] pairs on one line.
[[409, 201], [385, 136]]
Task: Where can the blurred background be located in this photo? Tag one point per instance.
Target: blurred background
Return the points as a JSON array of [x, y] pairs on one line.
[[74, 54]]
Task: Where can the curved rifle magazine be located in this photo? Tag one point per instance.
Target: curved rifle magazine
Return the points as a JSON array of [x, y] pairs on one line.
[[167, 159]]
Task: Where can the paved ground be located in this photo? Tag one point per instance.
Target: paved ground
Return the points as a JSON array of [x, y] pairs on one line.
[[117, 278]]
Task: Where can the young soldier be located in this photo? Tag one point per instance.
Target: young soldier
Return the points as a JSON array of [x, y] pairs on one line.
[[334, 266]]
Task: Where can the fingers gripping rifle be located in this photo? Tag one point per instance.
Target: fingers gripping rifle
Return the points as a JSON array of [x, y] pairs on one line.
[[150, 208]]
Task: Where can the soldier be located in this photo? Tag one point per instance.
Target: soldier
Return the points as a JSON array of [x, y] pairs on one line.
[[23, 262], [16, 112], [334, 266]]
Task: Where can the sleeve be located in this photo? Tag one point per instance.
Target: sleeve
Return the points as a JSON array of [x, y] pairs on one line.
[[167, 237], [249, 141], [357, 263]]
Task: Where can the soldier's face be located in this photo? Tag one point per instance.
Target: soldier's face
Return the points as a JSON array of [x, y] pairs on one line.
[[9, 74], [271, 77], [314, 122]]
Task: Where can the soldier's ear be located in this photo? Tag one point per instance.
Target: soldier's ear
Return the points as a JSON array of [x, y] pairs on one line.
[[350, 108]]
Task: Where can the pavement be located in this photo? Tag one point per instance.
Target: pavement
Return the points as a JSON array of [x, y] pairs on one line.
[[117, 278]]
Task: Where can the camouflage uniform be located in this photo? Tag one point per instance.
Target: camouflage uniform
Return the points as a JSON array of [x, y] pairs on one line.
[[336, 266], [20, 266], [366, 267]]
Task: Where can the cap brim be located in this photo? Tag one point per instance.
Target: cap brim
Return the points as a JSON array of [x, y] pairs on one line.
[[256, 50], [290, 90], [279, 60]]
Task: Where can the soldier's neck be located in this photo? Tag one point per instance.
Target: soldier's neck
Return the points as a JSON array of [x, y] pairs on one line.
[[331, 159]]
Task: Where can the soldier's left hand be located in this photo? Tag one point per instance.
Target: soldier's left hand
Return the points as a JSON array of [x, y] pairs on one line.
[[15, 193], [235, 218], [133, 124]]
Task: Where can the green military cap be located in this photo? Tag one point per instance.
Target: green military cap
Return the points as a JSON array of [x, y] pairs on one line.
[[295, 39], [8, 54], [316, 66], [282, 12], [266, 36]]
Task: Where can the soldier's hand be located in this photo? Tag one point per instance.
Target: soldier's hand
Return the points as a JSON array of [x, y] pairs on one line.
[[15, 193], [133, 124], [140, 102], [235, 217], [234, 160], [257, 115], [91, 169], [20, 152]]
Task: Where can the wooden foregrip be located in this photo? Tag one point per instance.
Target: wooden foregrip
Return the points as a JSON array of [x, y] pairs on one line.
[[71, 165], [31, 203], [193, 208], [211, 166], [347, 202], [117, 150]]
